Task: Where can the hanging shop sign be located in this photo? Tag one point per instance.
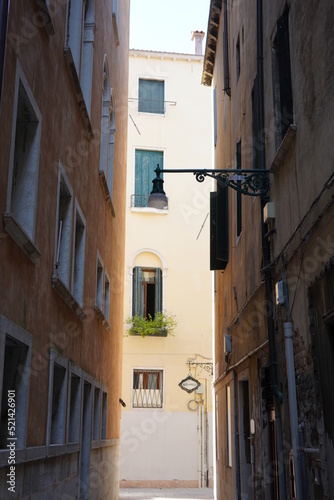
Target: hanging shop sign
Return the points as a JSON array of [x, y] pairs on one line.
[[189, 384]]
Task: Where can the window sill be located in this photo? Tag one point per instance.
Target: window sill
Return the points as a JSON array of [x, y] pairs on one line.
[[159, 333], [66, 295], [38, 453], [101, 317], [15, 231], [106, 191], [114, 22], [162, 211], [152, 113], [78, 91], [47, 20], [283, 148]]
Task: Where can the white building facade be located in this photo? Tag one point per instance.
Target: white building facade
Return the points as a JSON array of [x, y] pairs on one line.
[[166, 431]]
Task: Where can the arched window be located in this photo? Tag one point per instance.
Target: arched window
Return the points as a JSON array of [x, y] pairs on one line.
[[107, 133]]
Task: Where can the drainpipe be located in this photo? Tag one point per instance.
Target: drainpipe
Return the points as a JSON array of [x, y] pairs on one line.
[[236, 438], [199, 448], [266, 259], [203, 449], [288, 334], [290, 366]]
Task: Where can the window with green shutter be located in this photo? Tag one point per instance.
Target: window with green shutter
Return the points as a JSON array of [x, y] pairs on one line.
[[145, 164], [151, 96], [147, 292]]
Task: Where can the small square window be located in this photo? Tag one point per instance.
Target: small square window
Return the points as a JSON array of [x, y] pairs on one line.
[[151, 96], [147, 390]]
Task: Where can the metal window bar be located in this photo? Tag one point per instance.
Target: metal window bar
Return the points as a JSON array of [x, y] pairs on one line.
[[140, 201], [147, 389], [152, 106]]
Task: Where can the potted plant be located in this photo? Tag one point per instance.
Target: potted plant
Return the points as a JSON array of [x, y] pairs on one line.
[[159, 326]]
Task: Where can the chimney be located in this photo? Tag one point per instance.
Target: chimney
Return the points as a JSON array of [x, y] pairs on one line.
[[198, 37]]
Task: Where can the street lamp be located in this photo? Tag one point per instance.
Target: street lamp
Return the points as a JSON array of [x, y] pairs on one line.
[[249, 182]]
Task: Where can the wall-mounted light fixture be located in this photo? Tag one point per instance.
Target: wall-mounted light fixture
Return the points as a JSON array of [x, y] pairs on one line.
[[253, 182]]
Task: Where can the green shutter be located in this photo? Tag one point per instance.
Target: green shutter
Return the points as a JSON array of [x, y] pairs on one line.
[[137, 293], [145, 164], [158, 291], [151, 96]]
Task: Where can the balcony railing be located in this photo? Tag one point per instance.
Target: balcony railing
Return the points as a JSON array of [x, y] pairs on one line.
[[140, 201]]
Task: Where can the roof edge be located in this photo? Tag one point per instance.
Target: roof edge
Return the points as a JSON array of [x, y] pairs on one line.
[[211, 41]]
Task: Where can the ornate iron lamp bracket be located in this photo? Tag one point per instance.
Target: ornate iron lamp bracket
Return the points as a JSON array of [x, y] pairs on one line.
[[206, 366], [248, 182]]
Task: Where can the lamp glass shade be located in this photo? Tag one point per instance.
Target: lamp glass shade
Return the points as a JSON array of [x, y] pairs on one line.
[[157, 200]]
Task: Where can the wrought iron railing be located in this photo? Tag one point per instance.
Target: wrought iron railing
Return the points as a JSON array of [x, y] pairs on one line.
[[147, 398], [147, 389], [140, 200]]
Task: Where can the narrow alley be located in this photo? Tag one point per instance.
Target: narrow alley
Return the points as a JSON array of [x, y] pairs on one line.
[[165, 493]]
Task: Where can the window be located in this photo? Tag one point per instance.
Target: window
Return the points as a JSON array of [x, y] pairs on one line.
[[57, 399], [79, 46], [115, 19], [237, 57], [282, 78], [74, 407], [69, 248], [239, 199], [86, 435], [228, 426], [151, 96], [96, 410], [106, 298], [78, 255], [15, 356], [147, 389], [104, 415], [20, 218], [99, 283], [108, 126], [64, 228], [219, 230], [145, 164], [147, 292], [255, 126], [102, 293]]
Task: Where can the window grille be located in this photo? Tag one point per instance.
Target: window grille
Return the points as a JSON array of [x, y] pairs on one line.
[[147, 389]]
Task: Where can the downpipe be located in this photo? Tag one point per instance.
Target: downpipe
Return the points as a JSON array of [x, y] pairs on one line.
[[289, 355], [266, 259]]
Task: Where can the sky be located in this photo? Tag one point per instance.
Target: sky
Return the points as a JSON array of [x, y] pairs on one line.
[[166, 25]]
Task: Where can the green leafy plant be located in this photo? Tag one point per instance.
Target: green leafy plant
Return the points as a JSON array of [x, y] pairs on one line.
[[160, 325]]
